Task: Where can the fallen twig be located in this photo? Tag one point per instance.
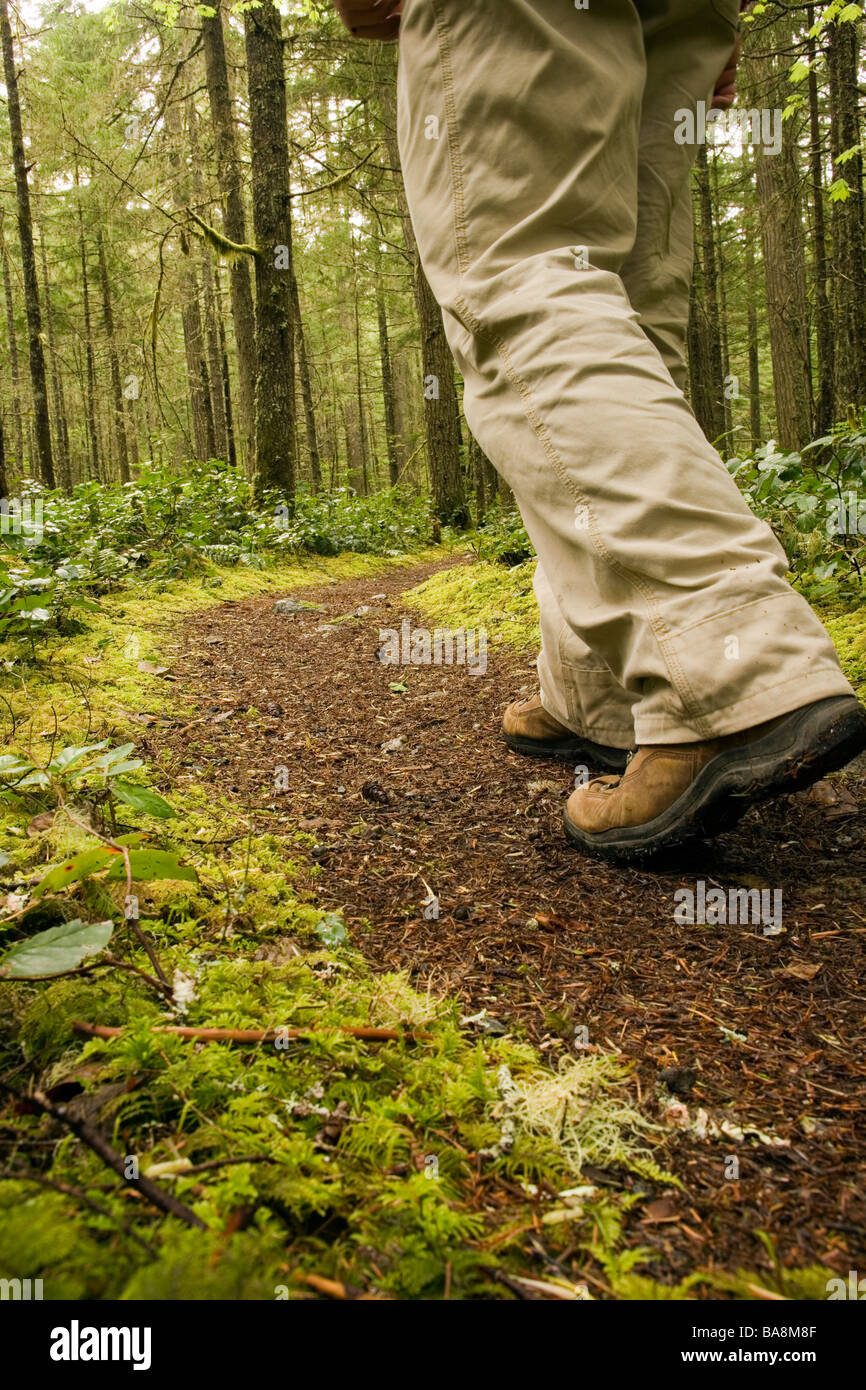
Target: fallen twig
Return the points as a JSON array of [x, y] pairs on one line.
[[334, 1289], [96, 1141], [253, 1035]]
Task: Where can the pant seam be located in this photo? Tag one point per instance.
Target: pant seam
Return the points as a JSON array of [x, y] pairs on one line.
[[730, 612], [455, 153]]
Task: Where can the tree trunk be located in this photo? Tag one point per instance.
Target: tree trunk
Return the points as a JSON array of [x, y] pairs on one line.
[[61, 429], [226, 380], [214, 364], [778, 183], [234, 226], [849, 266], [824, 340], [4, 482], [721, 297], [364, 439], [476, 454], [752, 330], [198, 383], [42, 424], [388, 391], [113, 361], [275, 348], [90, 369], [307, 393], [14, 364], [710, 397], [403, 398]]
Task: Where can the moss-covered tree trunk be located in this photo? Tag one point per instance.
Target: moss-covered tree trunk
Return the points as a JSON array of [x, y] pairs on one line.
[[275, 464]]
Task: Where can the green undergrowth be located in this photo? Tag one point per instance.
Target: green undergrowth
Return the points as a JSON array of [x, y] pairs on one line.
[[400, 1164], [98, 669], [433, 1161]]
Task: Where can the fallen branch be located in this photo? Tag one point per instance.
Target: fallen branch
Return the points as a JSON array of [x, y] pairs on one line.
[[101, 1147], [253, 1035], [332, 1288]]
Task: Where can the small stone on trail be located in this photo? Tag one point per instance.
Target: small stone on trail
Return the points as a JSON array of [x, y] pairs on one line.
[[291, 606]]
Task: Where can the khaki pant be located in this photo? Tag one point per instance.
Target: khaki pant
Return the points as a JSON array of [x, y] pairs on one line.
[[552, 209]]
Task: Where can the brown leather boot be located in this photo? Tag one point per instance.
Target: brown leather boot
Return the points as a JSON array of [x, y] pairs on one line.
[[529, 729], [686, 791]]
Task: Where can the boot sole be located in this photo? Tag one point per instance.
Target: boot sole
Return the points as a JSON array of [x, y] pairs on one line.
[[812, 741], [567, 751]]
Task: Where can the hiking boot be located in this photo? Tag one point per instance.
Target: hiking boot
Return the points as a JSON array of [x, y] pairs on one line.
[[529, 729], [669, 795]]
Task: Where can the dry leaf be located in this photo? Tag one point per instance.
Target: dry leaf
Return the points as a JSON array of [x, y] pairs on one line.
[[44, 821], [799, 970]]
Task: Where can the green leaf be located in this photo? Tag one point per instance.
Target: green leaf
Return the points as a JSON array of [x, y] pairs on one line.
[[34, 779], [149, 864], [114, 755], [332, 930], [59, 948], [91, 861], [143, 799], [12, 766], [68, 756]]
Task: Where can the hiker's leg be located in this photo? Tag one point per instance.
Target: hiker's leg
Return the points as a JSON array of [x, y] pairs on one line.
[[658, 271], [657, 276], [576, 686], [519, 130]]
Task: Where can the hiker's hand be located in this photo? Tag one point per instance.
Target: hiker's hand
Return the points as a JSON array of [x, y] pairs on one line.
[[370, 19], [725, 93]]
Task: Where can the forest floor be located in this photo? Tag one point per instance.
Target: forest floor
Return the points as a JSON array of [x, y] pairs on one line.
[[747, 1046]]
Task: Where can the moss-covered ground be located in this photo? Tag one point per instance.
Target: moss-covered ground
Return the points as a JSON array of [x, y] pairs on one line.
[[425, 1166]]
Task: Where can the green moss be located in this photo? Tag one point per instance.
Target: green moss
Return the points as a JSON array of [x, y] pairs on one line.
[[373, 1148], [482, 595], [848, 631]]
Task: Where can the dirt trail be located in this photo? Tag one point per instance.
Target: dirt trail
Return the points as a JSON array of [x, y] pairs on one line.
[[765, 1031]]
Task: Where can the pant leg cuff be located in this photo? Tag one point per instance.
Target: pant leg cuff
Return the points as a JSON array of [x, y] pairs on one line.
[[745, 713]]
